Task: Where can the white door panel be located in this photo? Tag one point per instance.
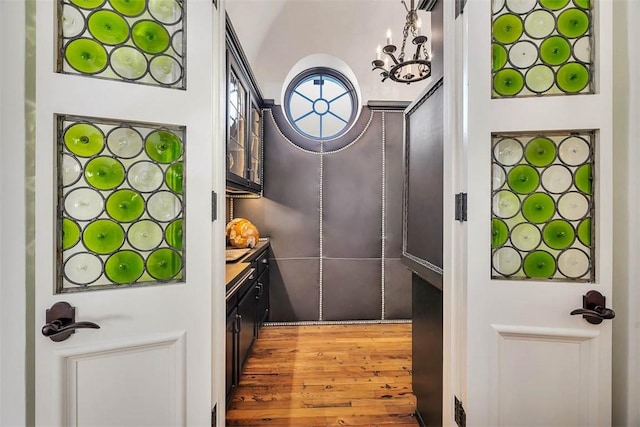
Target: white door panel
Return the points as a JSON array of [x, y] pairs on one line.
[[528, 361], [148, 386], [150, 361]]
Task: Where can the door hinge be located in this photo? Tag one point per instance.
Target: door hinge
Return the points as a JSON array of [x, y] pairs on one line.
[[460, 4], [214, 206], [214, 416], [461, 207], [459, 415]]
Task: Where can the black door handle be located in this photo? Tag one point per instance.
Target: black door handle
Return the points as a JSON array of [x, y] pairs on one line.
[[594, 308], [61, 322], [55, 329]]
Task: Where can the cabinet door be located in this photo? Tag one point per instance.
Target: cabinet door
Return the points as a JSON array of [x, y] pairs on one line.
[[246, 321], [254, 150], [263, 300], [236, 125], [231, 360]]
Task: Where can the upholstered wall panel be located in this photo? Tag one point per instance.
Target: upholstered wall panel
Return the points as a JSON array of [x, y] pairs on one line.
[[351, 289], [393, 186], [397, 290], [295, 289], [352, 197]]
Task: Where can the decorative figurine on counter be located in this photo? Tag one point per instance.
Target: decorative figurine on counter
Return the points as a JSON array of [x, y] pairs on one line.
[[241, 233]]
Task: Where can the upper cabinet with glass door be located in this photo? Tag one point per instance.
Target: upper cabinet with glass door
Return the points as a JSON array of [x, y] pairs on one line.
[[244, 121]]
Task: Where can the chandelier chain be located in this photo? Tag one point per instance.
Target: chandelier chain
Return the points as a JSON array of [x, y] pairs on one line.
[[404, 38]]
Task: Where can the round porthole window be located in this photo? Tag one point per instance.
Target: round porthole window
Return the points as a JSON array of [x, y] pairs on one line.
[[321, 104]]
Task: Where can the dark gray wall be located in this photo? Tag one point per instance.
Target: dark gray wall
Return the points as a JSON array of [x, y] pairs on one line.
[[325, 216]]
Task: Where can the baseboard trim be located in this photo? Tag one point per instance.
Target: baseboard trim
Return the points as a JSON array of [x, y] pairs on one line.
[[337, 322]]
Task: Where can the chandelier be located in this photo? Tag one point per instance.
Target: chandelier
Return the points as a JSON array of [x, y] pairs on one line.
[[402, 69]]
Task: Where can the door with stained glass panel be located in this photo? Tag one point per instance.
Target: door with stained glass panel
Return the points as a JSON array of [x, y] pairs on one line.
[[123, 181], [539, 247]]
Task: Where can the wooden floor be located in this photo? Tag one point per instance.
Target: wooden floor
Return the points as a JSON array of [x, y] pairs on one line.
[[330, 375]]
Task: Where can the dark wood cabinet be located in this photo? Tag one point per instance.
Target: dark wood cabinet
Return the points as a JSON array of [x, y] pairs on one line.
[[247, 319], [262, 285], [231, 379], [247, 310], [244, 121]]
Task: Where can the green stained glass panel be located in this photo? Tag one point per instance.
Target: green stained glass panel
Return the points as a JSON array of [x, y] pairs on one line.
[[543, 206], [120, 206], [549, 42], [137, 41]]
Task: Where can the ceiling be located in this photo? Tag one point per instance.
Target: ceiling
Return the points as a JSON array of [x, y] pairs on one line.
[[276, 34]]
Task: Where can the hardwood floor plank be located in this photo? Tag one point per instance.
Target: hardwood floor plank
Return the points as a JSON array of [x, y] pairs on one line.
[[327, 375]]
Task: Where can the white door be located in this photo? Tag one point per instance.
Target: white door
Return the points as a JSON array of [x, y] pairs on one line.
[[528, 360], [130, 166]]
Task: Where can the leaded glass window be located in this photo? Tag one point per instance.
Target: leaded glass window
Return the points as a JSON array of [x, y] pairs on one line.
[[120, 203], [137, 41], [542, 47], [543, 206]]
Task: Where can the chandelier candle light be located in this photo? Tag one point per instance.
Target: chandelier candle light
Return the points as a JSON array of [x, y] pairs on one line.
[[413, 69]]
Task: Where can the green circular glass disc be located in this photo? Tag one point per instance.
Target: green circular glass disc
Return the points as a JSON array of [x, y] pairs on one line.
[[499, 233], [173, 177], [584, 232], [108, 27], [508, 82], [103, 236], [507, 28], [104, 173], [523, 179], [125, 205], [173, 234], [539, 265], [585, 4], [164, 264], [150, 36], [558, 234], [84, 140], [128, 7], [88, 4], [554, 4], [573, 23], [70, 233], [555, 50], [499, 56], [163, 146], [538, 208], [582, 179], [124, 267], [86, 56], [572, 77], [540, 151]]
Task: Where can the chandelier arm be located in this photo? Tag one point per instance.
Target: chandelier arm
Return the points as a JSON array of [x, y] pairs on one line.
[[417, 54], [393, 58]]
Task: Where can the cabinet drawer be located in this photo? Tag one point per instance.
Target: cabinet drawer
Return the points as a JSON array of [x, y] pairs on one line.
[[262, 262]]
